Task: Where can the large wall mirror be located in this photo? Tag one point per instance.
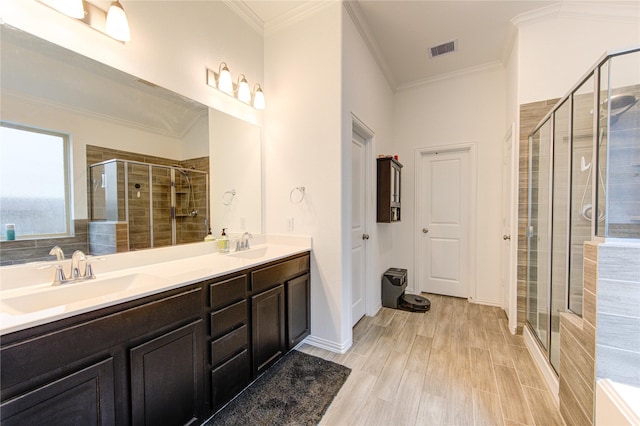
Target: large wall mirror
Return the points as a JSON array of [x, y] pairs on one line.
[[174, 157]]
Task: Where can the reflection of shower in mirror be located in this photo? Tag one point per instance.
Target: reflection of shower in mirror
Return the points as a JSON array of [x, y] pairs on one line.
[[191, 210]]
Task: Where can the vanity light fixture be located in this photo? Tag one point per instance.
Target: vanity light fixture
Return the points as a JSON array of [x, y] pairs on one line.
[[258, 97], [243, 91], [240, 90], [117, 25], [113, 22]]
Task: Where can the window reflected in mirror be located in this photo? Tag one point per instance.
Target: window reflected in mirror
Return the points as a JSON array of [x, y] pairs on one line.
[[34, 183]]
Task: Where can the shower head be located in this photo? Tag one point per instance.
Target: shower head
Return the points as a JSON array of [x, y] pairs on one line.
[[181, 169], [617, 105]]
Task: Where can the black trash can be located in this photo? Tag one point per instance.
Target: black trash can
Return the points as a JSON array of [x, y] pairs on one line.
[[394, 282]]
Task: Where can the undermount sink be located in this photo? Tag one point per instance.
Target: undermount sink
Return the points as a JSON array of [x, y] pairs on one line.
[[256, 253], [66, 294]]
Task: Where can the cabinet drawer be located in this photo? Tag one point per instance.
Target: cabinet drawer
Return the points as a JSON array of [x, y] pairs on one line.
[[227, 345], [229, 379], [228, 291], [268, 277], [228, 318]]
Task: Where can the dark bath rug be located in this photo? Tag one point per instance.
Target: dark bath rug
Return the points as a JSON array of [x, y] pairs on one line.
[[295, 391]]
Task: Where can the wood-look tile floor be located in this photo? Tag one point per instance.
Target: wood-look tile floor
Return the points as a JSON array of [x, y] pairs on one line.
[[457, 364]]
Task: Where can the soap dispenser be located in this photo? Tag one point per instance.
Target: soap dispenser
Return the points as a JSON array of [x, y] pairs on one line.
[[209, 237], [223, 242]]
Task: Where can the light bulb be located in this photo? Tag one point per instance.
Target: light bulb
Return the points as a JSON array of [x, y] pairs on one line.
[[258, 99], [244, 93], [117, 25], [224, 80]]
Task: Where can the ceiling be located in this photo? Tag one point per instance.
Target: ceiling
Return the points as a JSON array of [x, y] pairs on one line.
[[400, 33]]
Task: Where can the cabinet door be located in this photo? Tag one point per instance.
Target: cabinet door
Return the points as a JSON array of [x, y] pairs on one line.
[[85, 397], [166, 378], [268, 332], [298, 310]]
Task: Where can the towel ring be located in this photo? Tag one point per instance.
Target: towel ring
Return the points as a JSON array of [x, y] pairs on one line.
[[227, 197], [297, 199]]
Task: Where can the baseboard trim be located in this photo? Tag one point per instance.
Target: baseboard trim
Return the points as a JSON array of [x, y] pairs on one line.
[[485, 302], [321, 343], [543, 365]]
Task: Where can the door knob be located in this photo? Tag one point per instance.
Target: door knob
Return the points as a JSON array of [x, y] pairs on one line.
[[425, 230], [506, 237], [365, 236]]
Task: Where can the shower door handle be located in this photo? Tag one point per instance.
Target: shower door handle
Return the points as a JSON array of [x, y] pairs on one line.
[[506, 237]]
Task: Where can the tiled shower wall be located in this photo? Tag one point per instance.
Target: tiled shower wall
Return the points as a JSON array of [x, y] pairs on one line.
[[577, 350], [23, 251], [618, 316], [189, 228]]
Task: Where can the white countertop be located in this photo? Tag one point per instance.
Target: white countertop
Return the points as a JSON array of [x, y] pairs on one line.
[[27, 297]]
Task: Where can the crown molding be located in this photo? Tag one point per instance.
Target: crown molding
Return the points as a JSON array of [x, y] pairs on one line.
[[355, 13], [8, 93], [247, 14], [295, 15], [489, 66], [618, 12]]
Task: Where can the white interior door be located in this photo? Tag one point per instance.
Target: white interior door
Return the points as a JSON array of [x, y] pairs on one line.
[[508, 255], [445, 216], [359, 234]]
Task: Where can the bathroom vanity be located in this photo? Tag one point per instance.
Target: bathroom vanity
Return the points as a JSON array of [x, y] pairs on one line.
[[172, 357]]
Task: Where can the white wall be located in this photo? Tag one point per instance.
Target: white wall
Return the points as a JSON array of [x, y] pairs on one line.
[[555, 53], [303, 148], [367, 95], [466, 108]]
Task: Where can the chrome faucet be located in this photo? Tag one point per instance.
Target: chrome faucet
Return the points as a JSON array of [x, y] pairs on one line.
[[76, 258], [75, 275], [243, 242], [57, 252]]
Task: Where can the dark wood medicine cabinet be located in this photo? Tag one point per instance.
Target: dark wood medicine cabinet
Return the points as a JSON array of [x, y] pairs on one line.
[[389, 189]]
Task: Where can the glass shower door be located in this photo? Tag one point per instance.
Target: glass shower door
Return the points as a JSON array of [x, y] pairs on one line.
[[138, 217], [582, 177], [162, 226], [560, 223], [539, 232]]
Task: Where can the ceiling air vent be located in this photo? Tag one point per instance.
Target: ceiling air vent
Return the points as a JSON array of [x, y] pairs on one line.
[[443, 48]]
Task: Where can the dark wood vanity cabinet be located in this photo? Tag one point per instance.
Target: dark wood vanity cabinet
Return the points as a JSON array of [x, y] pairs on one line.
[[118, 365], [389, 190], [270, 310], [173, 358]]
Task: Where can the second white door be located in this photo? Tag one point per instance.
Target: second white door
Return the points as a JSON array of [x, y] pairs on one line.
[[359, 234], [444, 211]]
